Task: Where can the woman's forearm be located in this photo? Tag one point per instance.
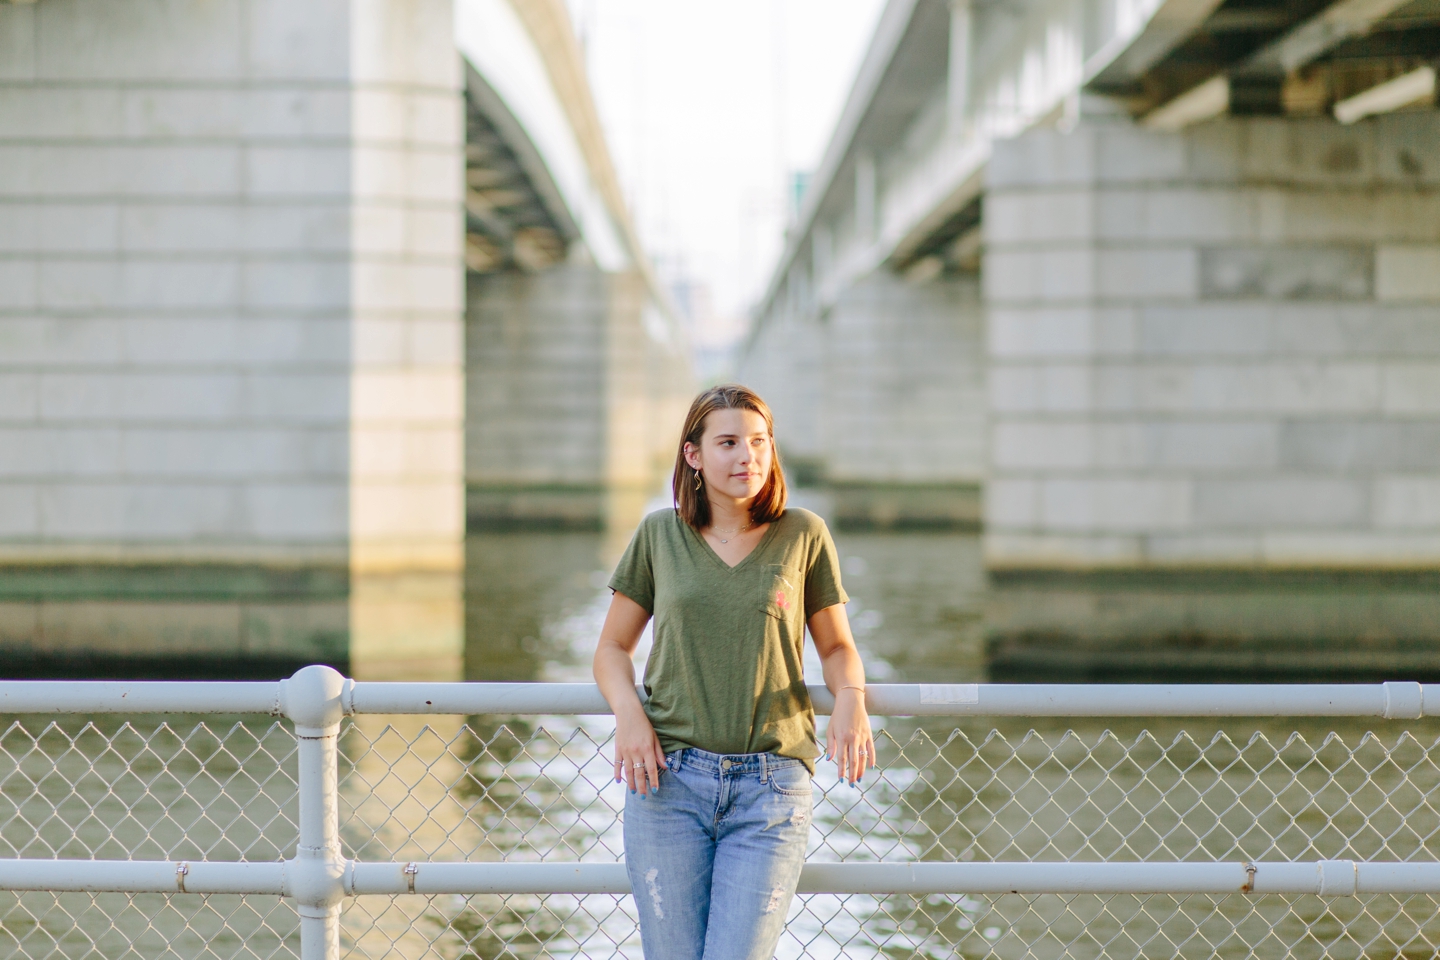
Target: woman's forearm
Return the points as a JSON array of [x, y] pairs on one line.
[[614, 670], [615, 675], [839, 660], [842, 668]]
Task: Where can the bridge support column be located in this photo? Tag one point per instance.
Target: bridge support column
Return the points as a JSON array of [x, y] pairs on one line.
[[576, 393], [230, 332], [902, 419], [879, 398], [1215, 388]]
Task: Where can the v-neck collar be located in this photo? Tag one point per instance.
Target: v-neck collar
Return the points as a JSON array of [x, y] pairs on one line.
[[710, 551]]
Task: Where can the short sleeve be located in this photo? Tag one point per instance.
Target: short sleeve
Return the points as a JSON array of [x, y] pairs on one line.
[[822, 579], [635, 576]]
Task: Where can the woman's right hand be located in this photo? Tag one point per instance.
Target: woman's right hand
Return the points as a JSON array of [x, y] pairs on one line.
[[638, 757]]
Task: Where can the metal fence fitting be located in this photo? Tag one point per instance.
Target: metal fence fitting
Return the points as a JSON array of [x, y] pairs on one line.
[[411, 869]]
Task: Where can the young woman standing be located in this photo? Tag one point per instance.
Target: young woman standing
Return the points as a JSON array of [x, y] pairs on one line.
[[718, 760]]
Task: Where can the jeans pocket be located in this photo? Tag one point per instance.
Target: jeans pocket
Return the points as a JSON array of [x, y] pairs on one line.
[[791, 780]]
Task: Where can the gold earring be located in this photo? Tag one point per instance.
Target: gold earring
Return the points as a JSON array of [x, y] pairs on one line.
[[697, 480]]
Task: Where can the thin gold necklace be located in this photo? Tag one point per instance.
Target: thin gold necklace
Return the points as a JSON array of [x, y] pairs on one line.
[[732, 533]]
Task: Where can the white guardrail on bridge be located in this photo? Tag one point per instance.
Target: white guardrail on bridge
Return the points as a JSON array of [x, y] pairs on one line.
[[318, 878]]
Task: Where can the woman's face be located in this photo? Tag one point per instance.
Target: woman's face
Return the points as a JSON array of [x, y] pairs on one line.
[[734, 454]]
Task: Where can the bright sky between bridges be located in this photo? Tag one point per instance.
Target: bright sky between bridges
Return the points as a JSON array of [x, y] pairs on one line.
[[709, 108]]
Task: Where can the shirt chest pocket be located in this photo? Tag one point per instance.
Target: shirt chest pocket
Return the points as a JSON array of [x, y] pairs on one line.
[[785, 593]]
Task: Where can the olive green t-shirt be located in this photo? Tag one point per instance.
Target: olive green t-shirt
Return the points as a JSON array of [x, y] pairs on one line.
[[725, 671]]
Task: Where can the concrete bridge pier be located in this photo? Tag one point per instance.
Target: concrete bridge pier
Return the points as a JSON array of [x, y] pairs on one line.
[[902, 417], [230, 326], [879, 398], [576, 372], [1214, 384], [576, 390]]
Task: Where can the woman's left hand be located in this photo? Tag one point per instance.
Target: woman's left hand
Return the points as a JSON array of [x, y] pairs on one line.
[[848, 738]]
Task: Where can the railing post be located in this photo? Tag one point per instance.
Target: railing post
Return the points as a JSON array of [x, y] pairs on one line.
[[312, 701]]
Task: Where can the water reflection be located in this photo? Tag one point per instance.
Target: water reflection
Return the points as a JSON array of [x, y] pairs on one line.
[[1213, 626], [494, 788], [523, 593], [916, 604]]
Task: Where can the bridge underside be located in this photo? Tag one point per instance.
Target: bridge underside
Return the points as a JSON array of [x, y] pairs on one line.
[[1206, 421], [1275, 58]]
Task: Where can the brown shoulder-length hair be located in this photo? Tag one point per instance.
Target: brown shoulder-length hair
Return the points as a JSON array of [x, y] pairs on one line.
[[693, 505]]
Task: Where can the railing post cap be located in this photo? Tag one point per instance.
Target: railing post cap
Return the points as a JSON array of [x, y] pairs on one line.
[[313, 699]]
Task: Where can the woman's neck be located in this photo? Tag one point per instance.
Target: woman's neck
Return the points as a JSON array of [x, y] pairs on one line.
[[729, 514]]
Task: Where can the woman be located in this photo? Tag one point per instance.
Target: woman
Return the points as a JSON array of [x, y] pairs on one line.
[[718, 759]]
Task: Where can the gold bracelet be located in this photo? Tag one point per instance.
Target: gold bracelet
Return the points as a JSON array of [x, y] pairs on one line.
[[851, 686]]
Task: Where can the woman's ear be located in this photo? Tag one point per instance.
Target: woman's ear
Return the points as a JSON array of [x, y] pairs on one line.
[[692, 455]]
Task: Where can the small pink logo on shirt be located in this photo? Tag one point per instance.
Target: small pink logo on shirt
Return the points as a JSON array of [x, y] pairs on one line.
[[780, 600]]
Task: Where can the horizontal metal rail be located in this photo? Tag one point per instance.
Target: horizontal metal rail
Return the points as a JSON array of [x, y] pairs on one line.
[[1326, 878], [1385, 700], [122, 696], [1395, 700], [143, 876], [316, 700]]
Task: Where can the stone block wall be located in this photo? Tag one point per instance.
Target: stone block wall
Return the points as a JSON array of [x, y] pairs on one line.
[[785, 363], [230, 297], [1218, 348], [881, 397], [576, 388], [535, 414], [407, 288], [903, 419]]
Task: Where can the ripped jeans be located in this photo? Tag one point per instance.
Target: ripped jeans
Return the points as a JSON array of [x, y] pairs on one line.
[[715, 856]]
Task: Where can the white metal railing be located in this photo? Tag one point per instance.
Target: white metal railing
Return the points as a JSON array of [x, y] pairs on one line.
[[318, 877]]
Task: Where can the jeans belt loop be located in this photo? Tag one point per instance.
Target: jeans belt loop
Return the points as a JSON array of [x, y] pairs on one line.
[[764, 768]]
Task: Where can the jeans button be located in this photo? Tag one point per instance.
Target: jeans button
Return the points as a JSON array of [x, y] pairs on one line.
[[725, 764]]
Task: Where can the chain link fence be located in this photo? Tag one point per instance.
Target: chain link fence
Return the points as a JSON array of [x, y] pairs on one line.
[[540, 789], [146, 789]]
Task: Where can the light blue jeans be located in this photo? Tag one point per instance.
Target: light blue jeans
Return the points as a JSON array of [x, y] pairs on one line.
[[715, 856]]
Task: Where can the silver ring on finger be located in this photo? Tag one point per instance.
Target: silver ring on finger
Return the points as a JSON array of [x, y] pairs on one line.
[[638, 766]]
